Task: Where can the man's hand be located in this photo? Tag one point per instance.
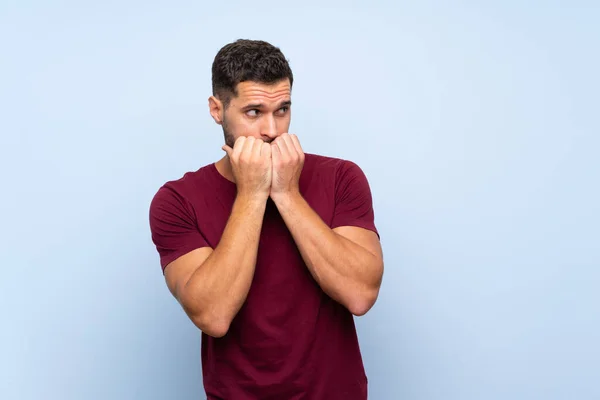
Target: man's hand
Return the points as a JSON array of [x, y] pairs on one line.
[[251, 165], [288, 160]]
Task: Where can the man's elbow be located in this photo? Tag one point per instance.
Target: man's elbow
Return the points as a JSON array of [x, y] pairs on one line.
[[215, 327], [215, 324], [363, 300], [360, 305]]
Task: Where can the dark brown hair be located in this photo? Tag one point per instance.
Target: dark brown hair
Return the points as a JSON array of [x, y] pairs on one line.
[[247, 60]]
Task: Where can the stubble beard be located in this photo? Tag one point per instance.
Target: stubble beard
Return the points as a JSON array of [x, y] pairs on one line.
[[229, 139], [228, 136]]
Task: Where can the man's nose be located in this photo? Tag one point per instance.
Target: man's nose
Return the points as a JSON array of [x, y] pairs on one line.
[[269, 128]]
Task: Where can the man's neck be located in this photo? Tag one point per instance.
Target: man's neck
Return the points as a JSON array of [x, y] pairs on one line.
[[224, 168]]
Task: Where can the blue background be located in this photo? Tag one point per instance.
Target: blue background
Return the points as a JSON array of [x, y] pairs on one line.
[[476, 123]]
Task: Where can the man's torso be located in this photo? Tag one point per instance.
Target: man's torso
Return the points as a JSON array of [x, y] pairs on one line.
[[289, 340]]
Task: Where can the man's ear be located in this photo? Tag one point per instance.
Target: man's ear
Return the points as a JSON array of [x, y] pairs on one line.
[[215, 107]]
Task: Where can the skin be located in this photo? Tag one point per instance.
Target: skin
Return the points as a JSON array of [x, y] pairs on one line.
[[264, 161]]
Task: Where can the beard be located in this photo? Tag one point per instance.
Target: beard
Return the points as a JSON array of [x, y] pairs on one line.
[[228, 136]]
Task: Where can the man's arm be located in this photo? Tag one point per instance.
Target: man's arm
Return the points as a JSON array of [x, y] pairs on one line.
[[347, 262], [212, 286]]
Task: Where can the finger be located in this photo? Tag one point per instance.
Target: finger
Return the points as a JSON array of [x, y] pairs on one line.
[[265, 150], [238, 146], [283, 146], [296, 144], [256, 148], [227, 150], [293, 152], [275, 152], [249, 146]]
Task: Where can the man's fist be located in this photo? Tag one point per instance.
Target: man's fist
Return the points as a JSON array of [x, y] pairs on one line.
[[288, 161], [251, 165]]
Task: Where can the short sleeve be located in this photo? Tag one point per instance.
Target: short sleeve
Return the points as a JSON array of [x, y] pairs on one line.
[[173, 226], [353, 200]]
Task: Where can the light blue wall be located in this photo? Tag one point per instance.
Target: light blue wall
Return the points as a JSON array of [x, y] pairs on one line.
[[477, 125]]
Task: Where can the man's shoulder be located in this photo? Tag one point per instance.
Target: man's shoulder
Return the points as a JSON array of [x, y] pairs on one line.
[[328, 164], [323, 162], [321, 159], [190, 178], [184, 186]]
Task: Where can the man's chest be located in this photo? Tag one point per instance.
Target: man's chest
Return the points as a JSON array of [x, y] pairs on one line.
[[212, 214]]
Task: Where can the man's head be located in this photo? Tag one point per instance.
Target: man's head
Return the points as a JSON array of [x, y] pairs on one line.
[[252, 85]]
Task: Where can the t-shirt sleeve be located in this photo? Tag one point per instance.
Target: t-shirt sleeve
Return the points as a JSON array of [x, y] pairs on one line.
[[173, 226], [353, 200]]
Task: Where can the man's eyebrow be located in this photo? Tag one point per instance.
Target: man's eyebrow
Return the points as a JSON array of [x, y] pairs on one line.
[[252, 106]]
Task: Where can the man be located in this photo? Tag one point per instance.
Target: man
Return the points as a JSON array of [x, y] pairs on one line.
[[270, 251]]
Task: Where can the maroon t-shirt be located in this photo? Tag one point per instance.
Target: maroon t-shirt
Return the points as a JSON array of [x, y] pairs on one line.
[[289, 340]]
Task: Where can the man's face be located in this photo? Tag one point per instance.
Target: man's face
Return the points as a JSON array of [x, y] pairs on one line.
[[259, 110]]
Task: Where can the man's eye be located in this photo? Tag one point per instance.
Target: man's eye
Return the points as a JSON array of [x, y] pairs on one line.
[[252, 113], [283, 110]]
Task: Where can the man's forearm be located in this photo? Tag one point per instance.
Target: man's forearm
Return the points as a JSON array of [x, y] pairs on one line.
[[346, 271], [220, 285]]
